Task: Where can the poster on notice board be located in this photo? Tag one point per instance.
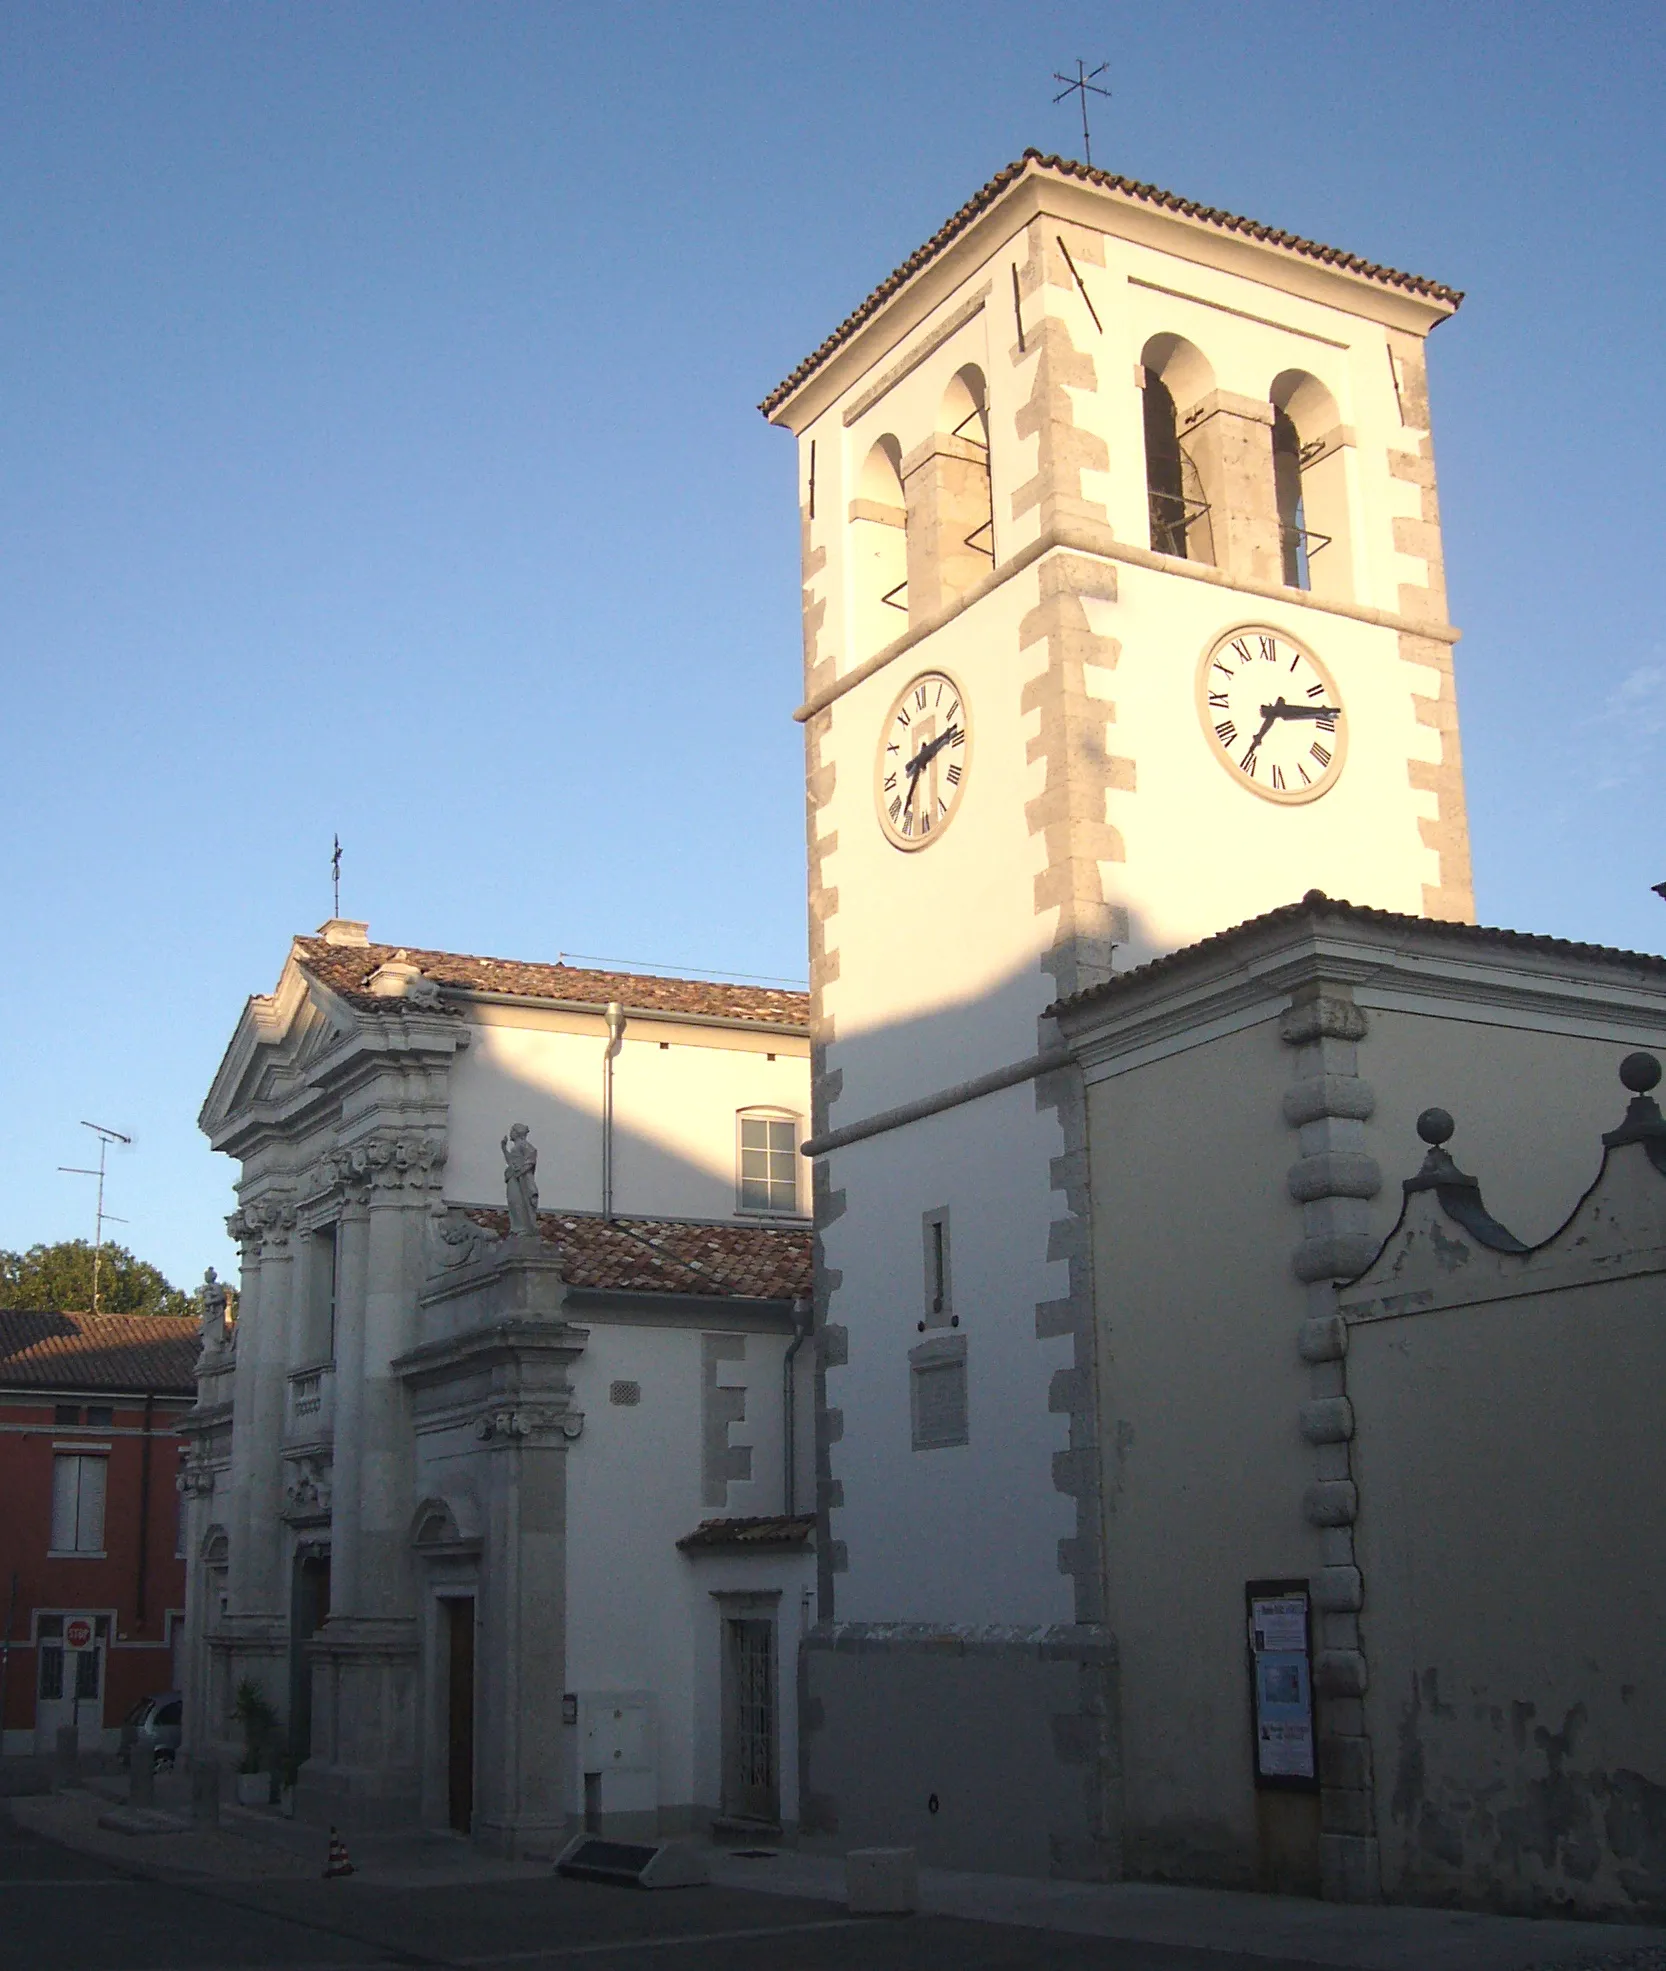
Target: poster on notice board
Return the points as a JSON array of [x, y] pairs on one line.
[[1281, 1683]]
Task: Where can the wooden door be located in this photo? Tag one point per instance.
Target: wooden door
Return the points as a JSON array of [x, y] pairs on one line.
[[459, 1615]]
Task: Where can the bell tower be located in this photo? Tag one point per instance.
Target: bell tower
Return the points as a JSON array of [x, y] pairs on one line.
[[1124, 621]]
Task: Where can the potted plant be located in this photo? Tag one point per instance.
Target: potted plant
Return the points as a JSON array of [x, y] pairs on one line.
[[259, 1721]]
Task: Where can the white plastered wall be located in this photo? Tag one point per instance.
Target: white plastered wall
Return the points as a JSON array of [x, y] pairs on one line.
[[673, 1115], [967, 1533], [638, 1609], [1200, 1388]]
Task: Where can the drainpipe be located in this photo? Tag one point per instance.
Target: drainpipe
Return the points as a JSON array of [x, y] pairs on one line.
[[144, 1508], [615, 1017], [789, 1398]]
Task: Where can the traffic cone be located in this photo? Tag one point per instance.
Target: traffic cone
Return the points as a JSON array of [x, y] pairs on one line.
[[339, 1862]]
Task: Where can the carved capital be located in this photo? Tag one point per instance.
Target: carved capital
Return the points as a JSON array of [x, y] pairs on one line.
[[307, 1489], [195, 1480], [1327, 1017], [531, 1424], [386, 1161]]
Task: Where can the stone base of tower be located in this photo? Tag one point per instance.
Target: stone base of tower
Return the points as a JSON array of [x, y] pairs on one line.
[[983, 1748]]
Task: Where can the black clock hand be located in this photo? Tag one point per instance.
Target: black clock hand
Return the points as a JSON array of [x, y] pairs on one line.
[[1280, 710], [1268, 714]]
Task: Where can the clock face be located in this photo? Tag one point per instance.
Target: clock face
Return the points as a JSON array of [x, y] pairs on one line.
[[1272, 715], [925, 749]]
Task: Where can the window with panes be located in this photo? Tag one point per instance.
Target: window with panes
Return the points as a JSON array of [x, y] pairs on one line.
[[768, 1178]]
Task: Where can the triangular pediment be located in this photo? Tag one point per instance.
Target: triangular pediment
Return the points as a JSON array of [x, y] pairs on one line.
[[280, 1039]]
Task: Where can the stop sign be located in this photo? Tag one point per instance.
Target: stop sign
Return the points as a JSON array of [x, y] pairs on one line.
[[78, 1633]]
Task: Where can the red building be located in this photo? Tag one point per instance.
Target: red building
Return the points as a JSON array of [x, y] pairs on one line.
[[92, 1580]]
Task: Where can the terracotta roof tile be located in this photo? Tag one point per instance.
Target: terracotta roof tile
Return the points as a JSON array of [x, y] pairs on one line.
[[346, 969], [769, 1532], [980, 201], [1316, 906], [668, 1255], [138, 1352]]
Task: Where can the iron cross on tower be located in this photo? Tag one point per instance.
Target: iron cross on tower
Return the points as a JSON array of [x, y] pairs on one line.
[[335, 874], [1084, 86]]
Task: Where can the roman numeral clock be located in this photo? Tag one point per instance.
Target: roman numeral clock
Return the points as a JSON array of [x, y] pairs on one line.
[[1271, 714], [925, 749]]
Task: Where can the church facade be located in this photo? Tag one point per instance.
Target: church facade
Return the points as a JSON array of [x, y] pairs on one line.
[[1125, 622], [503, 1501]]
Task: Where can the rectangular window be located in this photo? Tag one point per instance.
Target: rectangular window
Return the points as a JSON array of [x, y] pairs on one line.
[[78, 1486], [323, 1253], [937, 1393], [67, 1413], [768, 1163], [52, 1670], [100, 1416]]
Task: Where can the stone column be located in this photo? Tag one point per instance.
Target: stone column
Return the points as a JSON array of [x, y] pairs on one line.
[[1230, 441], [946, 481], [523, 1633], [262, 1361], [246, 1225], [499, 1344], [347, 1458], [1329, 1103]]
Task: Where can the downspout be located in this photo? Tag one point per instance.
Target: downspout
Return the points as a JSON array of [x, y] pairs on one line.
[[144, 1510], [789, 1399], [615, 1017]]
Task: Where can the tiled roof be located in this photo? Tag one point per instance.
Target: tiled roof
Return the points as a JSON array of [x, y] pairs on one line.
[[980, 201], [345, 968], [138, 1352], [669, 1255], [1315, 907], [750, 1533]]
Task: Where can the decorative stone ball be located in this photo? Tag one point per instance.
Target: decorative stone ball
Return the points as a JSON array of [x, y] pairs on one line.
[[1639, 1073], [1314, 896], [1434, 1126]]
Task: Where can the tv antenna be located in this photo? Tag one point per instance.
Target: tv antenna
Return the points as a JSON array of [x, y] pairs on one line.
[[101, 1217], [1084, 86], [335, 875]]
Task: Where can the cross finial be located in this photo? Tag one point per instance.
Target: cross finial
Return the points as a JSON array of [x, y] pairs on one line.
[[1083, 85], [335, 875]]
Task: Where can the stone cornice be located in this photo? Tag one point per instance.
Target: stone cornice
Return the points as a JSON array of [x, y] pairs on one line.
[[1093, 537], [1042, 194], [1391, 969]]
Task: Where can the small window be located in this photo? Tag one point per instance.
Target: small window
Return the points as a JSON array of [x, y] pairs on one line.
[[67, 1415], [78, 1505], [939, 1292], [100, 1416], [768, 1176]]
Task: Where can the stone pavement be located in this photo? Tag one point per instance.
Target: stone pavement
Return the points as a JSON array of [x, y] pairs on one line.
[[1375, 1938], [435, 1900]]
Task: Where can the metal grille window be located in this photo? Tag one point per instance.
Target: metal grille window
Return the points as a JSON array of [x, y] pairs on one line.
[[768, 1163], [52, 1671], [754, 1712], [78, 1486]]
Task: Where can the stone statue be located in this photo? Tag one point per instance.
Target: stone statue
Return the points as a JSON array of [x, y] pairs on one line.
[[214, 1302], [453, 1239], [520, 1161]]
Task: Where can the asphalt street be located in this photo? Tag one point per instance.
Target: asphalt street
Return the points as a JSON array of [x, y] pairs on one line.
[[62, 1911]]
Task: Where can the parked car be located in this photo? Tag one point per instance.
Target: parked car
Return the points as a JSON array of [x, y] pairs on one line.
[[153, 1721]]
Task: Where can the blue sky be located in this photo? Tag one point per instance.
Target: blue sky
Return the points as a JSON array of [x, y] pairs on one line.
[[381, 455]]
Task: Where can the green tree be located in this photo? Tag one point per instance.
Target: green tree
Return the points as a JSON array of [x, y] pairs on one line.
[[59, 1279]]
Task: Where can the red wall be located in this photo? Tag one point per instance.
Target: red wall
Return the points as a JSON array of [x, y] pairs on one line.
[[140, 1658]]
